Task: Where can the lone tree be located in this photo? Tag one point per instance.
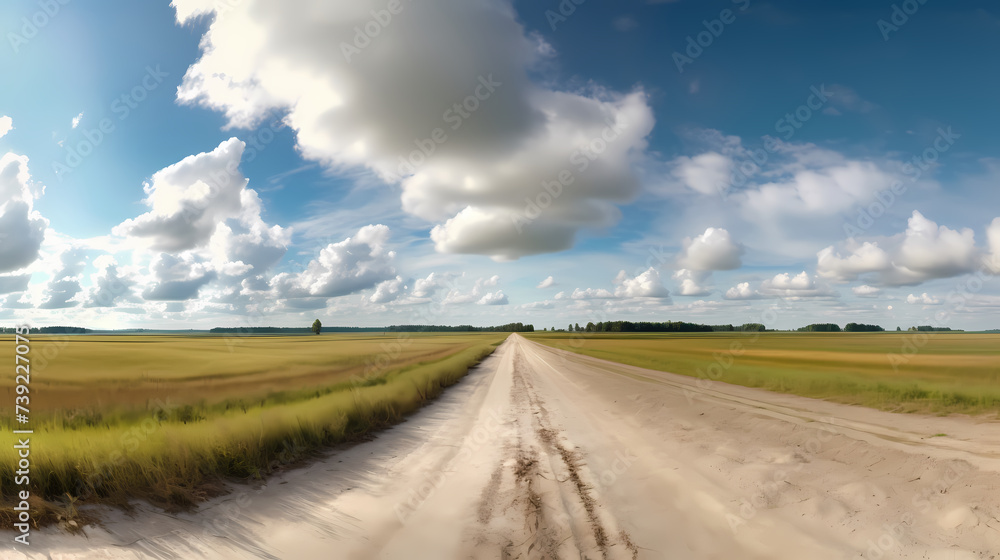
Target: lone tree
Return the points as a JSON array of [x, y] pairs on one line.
[[317, 326]]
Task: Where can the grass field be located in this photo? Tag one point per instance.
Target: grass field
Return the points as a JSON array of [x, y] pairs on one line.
[[166, 418], [901, 372]]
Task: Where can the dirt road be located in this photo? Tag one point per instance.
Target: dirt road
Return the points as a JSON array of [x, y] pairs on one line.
[[540, 453]]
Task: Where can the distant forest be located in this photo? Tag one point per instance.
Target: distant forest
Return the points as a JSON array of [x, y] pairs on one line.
[[668, 326], [510, 327]]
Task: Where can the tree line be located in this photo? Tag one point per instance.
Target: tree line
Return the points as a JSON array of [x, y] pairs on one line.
[[666, 326]]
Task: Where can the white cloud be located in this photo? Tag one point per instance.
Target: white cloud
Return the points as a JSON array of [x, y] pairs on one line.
[[77, 119], [785, 286], [372, 106], [495, 298], [539, 305], [189, 199], [712, 250], [709, 173], [456, 295], [742, 291], [6, 125], [22, 229], [65, 275], [589, 293], [862, 259], [866, 291], [547, 283], [388, 291], [110, 285], [932, 251], [992, 261], [799, 286], [922, 299], [427, 287], [354, 264], [691, 282], [177, 278], [925, 251], [645, 285]]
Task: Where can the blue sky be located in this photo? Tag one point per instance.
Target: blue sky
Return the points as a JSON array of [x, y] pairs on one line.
[[831, 218]]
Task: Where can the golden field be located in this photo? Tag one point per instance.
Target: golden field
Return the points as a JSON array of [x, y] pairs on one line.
[[899, 371], [166, 418]]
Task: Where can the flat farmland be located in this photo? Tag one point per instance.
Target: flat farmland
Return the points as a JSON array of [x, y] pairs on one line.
[[900, 372], [165, 418]]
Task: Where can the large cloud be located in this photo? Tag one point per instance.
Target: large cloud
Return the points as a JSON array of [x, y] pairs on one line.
[[712, 250], [110, 285], [925, 251], [354, 264], [992, 261], [783, 286], [645, 285], [177, 278], [22, 229], [204, 225], [692, 282], [12, 283], [700, 256], [385, 102], [65, 276], [189, 199]]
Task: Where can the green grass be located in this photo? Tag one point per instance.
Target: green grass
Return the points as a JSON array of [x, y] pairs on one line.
[[165, 442], [938, 373]]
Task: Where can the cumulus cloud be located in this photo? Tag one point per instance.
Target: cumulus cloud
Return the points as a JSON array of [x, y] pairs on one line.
[[77, 119], [177, 277], [6, 125], [495, 298], [712, 250], [784, 181], [864, 258], [645, 285], [792, 287], [456, 295], [12, 283], [589, 293], [204, 226], [64, 282], [742, 291], [547, 283], [691, 282], [467, 147], [427, 287], [700, 256], [785, 286], [388, 291], [708, 173], [22, 229], [922, 299], [992, 260], [189, 199], [354, 264], [866, 291], [110, 285], [925, 251]]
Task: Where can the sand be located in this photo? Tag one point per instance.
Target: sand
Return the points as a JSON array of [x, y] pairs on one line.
[[540, 453]]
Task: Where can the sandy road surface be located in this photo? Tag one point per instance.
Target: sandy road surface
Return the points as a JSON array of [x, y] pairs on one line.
[[540, 453]]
